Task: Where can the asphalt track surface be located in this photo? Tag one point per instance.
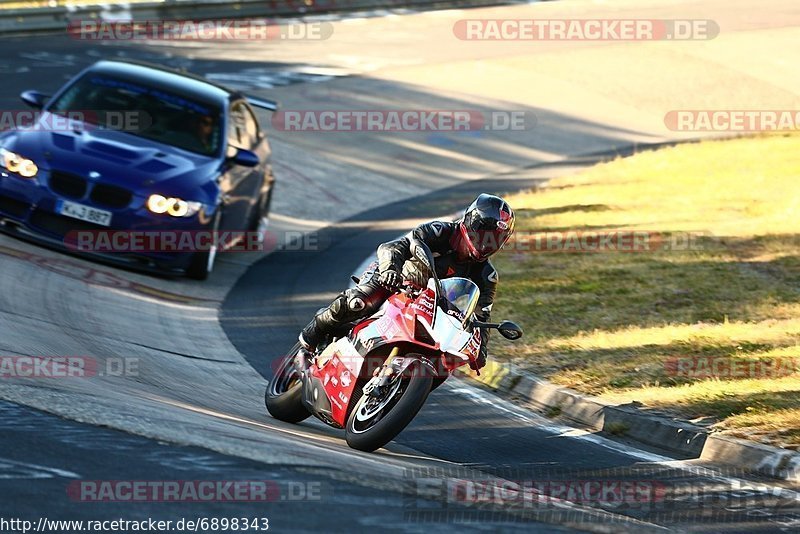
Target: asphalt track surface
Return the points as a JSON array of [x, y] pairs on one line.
[[195, 410], [460, 424], [32, 489]]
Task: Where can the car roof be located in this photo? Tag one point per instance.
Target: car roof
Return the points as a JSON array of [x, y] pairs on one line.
[[182, 83]]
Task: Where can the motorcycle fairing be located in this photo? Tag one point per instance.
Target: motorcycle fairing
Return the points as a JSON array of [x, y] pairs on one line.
[[398, 322], [336, 373], [452, 339]]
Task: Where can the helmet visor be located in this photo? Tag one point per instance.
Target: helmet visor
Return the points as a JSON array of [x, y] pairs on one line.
[[485, 235]]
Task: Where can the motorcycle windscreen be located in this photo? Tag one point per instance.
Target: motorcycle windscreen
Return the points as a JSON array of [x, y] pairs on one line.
[[449, 332], [461, 297], [462, 294]]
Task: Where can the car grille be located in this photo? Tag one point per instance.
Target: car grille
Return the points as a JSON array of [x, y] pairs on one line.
[[68, 185], [73, 186], [13, 207], [60, 225], [111, 196]]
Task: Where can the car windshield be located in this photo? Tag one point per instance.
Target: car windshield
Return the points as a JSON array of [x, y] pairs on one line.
[[462, 293], [144, 111]]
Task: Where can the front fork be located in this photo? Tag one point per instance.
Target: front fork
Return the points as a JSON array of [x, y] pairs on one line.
[[382, 376], [385, 374], [303, 360]]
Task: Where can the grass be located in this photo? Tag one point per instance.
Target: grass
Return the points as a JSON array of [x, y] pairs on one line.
[[718, 282]]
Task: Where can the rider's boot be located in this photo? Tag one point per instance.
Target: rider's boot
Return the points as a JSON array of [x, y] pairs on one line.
[[318, 330], [310, 336]]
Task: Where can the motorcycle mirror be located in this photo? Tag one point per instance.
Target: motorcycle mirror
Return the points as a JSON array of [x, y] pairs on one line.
[[509, 330]]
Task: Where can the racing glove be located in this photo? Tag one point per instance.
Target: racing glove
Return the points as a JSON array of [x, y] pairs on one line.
[[480, 360], [390, 279]]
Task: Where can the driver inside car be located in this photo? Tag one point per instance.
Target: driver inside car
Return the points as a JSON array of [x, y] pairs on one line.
[[461, 248]]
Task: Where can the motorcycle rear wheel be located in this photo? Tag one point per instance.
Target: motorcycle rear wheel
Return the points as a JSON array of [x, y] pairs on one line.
[[283, 397], [375, 422]]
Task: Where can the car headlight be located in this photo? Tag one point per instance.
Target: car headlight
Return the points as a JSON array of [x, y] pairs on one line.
[[176, 207], [18, 164]]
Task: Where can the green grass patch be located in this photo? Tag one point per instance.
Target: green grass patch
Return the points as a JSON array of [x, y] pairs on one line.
[[718, 281]]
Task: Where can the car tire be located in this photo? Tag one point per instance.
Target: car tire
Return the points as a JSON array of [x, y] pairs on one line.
[[259, 218], [202, 263]]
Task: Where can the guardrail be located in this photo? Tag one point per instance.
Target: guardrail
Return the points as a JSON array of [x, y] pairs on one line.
[[58, 18]]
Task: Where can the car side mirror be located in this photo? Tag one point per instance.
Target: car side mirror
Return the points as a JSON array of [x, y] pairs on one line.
[[509, 330], [34, 99], [245, 158]]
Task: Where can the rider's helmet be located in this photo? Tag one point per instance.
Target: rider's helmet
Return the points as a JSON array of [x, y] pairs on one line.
[[486, 226]]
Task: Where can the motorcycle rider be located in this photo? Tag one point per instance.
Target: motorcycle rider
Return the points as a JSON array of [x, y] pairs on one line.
[[461, 248]]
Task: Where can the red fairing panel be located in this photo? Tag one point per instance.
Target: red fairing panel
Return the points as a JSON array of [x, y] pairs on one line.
[[339, 381], [425, 306]]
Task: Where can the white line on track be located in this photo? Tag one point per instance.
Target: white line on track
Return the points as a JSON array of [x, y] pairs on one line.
[[480, 396], [12, 469]]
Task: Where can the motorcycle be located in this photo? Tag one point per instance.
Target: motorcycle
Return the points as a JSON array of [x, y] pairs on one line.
[[375, 377]]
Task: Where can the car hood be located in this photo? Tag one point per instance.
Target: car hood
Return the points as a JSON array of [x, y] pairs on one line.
[[122, 159]]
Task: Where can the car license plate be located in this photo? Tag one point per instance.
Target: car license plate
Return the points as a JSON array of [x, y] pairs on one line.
[[84, 213]]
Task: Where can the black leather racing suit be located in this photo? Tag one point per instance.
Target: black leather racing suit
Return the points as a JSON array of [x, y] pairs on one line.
[[368, 296]]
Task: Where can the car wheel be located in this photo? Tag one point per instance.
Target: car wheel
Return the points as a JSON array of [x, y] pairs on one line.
[[203, 262], [259, 220]]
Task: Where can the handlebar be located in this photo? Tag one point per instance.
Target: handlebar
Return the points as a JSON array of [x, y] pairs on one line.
[[408, 288]]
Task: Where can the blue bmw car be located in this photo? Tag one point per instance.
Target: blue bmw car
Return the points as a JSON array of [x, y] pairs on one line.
[[134, 148]]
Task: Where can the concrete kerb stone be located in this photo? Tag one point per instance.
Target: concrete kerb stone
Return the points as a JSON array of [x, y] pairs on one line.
[[675, 436]]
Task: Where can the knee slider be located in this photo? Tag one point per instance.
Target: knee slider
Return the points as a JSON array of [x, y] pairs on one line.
[[339, 307], [356, 301]]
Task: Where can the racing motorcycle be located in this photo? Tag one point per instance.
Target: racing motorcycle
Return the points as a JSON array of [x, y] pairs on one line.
[[375, 377]]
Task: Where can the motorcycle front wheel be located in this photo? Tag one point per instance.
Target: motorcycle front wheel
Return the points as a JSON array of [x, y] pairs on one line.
[[375, 421]]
